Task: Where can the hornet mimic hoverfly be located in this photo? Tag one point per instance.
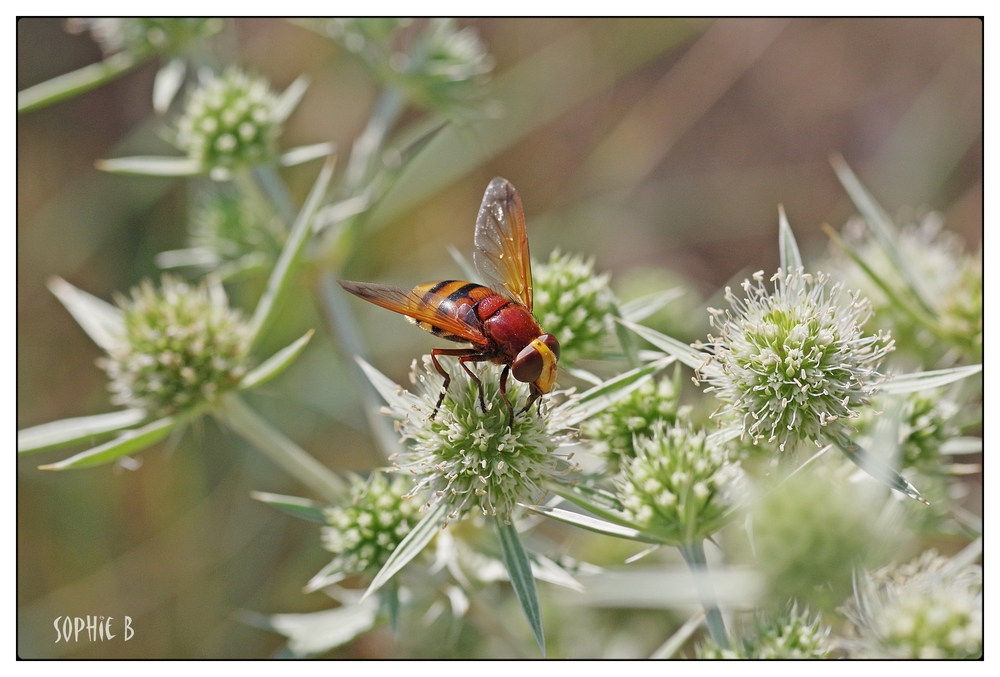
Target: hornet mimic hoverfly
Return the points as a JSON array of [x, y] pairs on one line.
[[495, 319]]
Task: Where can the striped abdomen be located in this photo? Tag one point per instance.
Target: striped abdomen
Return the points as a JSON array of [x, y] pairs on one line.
[[453, 298]]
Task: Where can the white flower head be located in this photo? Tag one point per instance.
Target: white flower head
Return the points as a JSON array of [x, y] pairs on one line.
[[789, 635], [465, 458], [793, 361]]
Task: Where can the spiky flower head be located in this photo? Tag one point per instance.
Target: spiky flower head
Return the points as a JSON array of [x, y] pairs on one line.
[[962, 313], [449, 66], [793, 361], [362, 534], [926, 421], [140, 36], [181, 345], [369, 36], [679, 486], [791, 635], [229, 121], [572, 303], [614, 430], [467, 459], [228, 229], [929, 608]]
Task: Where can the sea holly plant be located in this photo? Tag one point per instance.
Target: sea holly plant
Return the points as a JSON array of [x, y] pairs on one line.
[[231, 122], [178, 352], [126, 44]]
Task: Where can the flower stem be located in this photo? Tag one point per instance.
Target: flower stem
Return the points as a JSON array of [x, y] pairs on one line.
[[245, 422], [694, 555]]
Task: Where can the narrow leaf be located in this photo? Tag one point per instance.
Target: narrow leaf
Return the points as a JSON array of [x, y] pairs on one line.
[[315, 633], [625, 339], [389, 598], [468, 271], [303, 508], [639, 309], [544, 569], [151, 165], [289, 99], [75, 430], [601, 397], [331, 574], [302, 154], [75, 82], [962, 445], [882, 228], [788, 249], [281, 276], [275, 364], [591, 523], [875, 467], [167, 83], [724, 435], [521, 578], [682, 351], [392, 394], [677, 640], [194, 256], [103, 322], [128, 443], [925, 380], [583, 375], [410, 547]]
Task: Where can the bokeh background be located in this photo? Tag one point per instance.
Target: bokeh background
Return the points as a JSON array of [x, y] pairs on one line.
[[661, 147]]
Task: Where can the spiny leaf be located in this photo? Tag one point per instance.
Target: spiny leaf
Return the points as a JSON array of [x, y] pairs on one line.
[[303, 508], [128, 443], [75, 82], [410, 547], [639, 309], [521, 578], [103, 322], [151, 165], [788, 249], [591, 523], [75, 430], [875, 467], [275, 364], [925, 380]]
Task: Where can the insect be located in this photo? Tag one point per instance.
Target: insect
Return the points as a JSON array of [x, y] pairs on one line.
[[496, 319]]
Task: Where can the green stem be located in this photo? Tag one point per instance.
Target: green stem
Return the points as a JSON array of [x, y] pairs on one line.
[[694, 555], [367, 146], [245, 422], [75, 82]]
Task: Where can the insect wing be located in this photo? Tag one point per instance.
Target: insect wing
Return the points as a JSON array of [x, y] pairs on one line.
[[423, 307], [501, 254]]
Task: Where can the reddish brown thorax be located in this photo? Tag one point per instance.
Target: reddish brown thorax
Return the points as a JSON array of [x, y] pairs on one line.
[[511, 326]]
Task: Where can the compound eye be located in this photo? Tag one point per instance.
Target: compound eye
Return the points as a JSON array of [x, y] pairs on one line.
[[527, 366], [552, 343]]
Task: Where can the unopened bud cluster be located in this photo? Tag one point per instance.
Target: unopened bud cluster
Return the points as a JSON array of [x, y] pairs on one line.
[[364, 533], [793, 361], [226, 225], [792, 635], [228, 121], [679, 487], [181, 345], [573, 304], [614, 430]]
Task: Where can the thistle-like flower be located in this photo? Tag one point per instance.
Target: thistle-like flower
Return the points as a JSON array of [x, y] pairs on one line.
[[449, 67], [791, 635], [140, 36], [469, 459], [181, 345], [573, 303], [362, 534], [615, 430], [792, 362], [229, 121], [929, 608], [679, 487]]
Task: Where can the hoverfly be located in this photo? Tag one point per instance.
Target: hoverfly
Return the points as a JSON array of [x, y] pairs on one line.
[[495, 319]]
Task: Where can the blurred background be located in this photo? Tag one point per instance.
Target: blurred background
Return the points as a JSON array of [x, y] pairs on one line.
[[661, 147]]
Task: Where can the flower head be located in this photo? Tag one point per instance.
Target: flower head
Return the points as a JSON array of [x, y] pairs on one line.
[[181, 345], [140, 36], [465, 458], [795, 361], [636, 416], [679, 486], [228, 230], [572, 303], [929, 608], [791, 635], [364, 533], [229, 121]]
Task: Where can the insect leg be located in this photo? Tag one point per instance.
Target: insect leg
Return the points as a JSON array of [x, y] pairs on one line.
[[475, 357], [503, 392], [455, 352], [535, 395]]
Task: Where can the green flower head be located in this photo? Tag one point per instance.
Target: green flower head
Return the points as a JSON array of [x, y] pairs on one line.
[[679, 487], [616, 428], [229, 121], [572, 304], [363, 534], [181, 345], [793, 361], [791, 635], [467, 459], [929, 608]]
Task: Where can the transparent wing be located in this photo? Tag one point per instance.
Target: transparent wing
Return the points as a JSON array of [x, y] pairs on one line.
[[501, 254], [423, 307]]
